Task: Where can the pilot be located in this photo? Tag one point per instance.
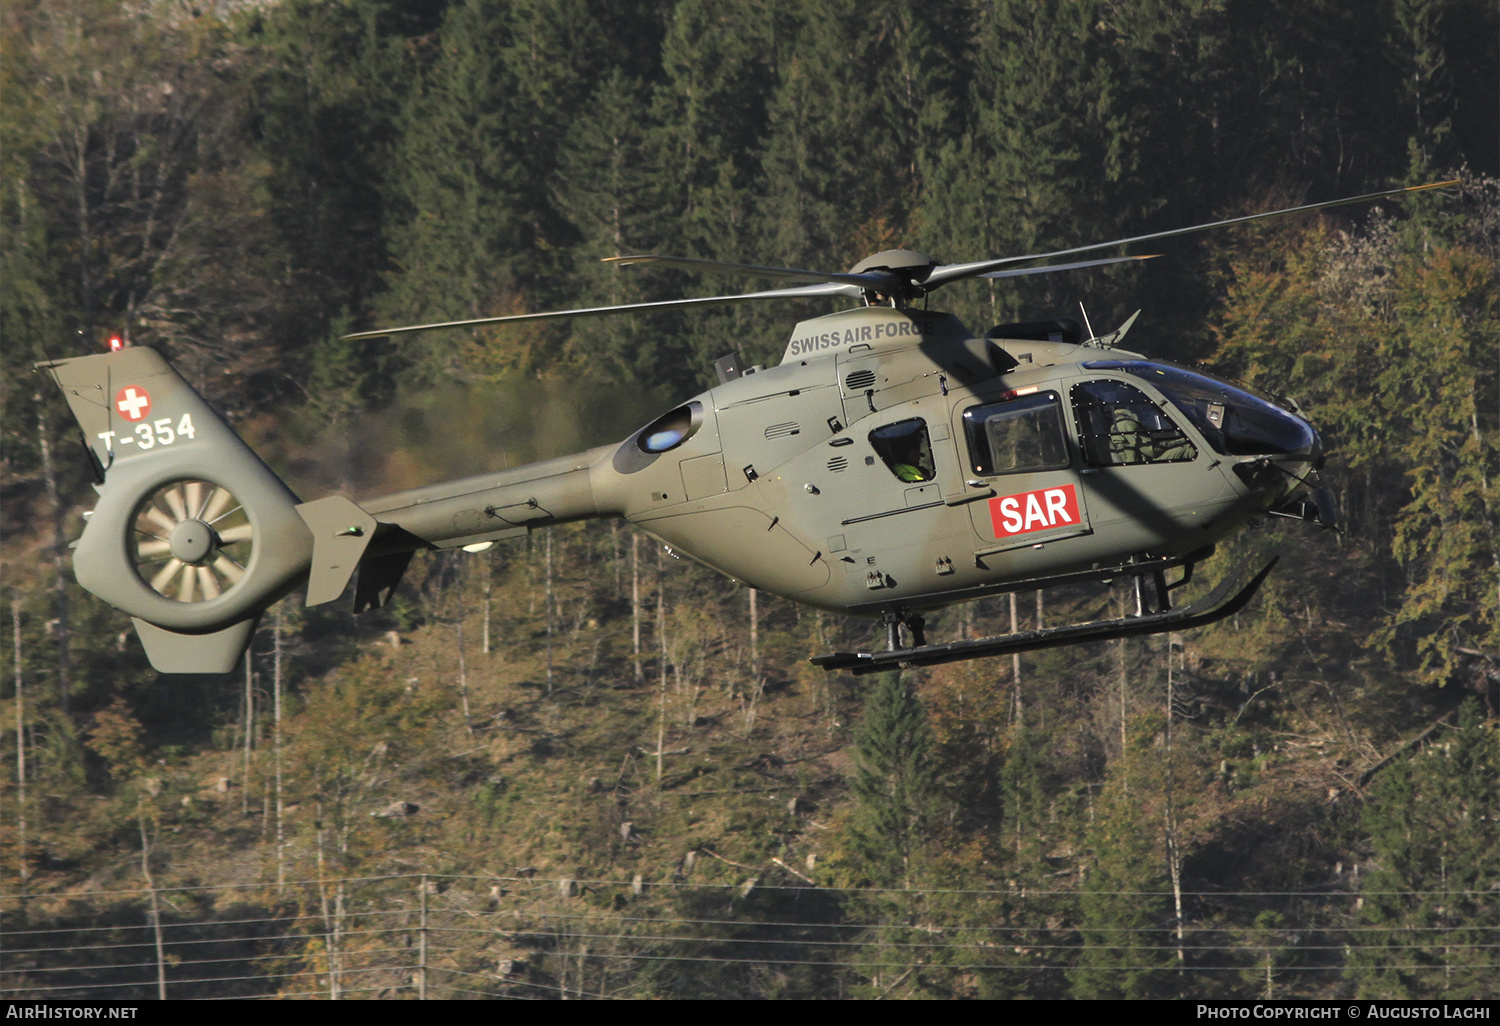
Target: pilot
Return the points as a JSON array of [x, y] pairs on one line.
[[1129, 442], [906, 460], [1127, 439]]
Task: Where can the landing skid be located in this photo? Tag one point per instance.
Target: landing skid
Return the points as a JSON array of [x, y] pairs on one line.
[[1225, 600]]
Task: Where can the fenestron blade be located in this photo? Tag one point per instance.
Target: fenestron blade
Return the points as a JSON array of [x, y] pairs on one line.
[[165, 575], [159, 518], [231, 570], [154, 547], [186, 591], [803, 291], [239, 533], [208, 582], [176, 502], [194, 495], [955, 272], [216, 504]]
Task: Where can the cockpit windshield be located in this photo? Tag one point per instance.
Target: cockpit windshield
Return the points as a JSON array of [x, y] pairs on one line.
[[1234, 421]]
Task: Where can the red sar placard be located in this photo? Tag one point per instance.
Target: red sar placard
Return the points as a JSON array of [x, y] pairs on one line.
[[1040, 510]]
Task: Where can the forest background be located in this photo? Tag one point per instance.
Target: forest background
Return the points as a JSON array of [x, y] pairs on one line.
[[1295, 802]]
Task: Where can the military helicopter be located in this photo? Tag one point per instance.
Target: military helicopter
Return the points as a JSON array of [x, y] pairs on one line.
[[893, 462]]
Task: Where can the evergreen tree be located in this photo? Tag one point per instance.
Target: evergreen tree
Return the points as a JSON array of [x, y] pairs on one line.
[[1428, 917], [1126, 901], [476, 230], [888, 839], [865, 93], [611, 191], [1043, 160], [326, 94], [1386, 336], [893, 783]]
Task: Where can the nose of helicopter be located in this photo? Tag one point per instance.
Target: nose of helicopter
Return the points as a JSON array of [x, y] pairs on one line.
[[1317, 493], [1290, 482]]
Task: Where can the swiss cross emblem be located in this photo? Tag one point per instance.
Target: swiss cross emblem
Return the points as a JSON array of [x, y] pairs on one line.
[[133, 403]]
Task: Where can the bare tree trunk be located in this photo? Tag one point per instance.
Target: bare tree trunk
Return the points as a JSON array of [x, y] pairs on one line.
[[422, 943], [463, 680], [249, 728], [530, 578], [1174, 854], [549, 612], [635, 601], [330, 931], [614, 542], [276, 735], [161, 961], [489, 574], [661, 638], [59, 561], [15, 623], [1120, 680], [754, 637], [1015, 664]]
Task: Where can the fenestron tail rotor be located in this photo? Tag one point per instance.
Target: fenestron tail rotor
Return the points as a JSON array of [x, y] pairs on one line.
[[191, 540]]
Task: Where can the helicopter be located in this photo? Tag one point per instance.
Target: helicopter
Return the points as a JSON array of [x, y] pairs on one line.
[[894, 462]]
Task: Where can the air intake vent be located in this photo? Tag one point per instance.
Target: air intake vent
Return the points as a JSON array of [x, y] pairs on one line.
[[838, 463], [859, 380], [791, 427]]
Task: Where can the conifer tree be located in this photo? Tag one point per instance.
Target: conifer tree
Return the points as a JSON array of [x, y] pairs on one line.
[[893, 782], [1383, 335], [610, 188], [1125, 903], [325, 91], [1429, 916]]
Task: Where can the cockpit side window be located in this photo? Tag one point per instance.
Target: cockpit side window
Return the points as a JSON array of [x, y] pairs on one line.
[[1118, 426], [1022, 434], [906, 449], [1232, 419]]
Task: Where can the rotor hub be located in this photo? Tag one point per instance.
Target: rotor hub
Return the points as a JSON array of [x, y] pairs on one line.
[[900, 260], [192, 541], [904, 270]]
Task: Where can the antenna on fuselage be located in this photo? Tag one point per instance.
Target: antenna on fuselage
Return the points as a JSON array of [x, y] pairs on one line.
[[1086, 325]]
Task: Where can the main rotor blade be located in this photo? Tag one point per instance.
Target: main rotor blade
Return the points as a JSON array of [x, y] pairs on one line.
[[1017, 272], [954, 272], [862, 280], [828, 289]]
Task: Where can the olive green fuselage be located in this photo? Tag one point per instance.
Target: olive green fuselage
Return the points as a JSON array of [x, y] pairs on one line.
[[777, 478]]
